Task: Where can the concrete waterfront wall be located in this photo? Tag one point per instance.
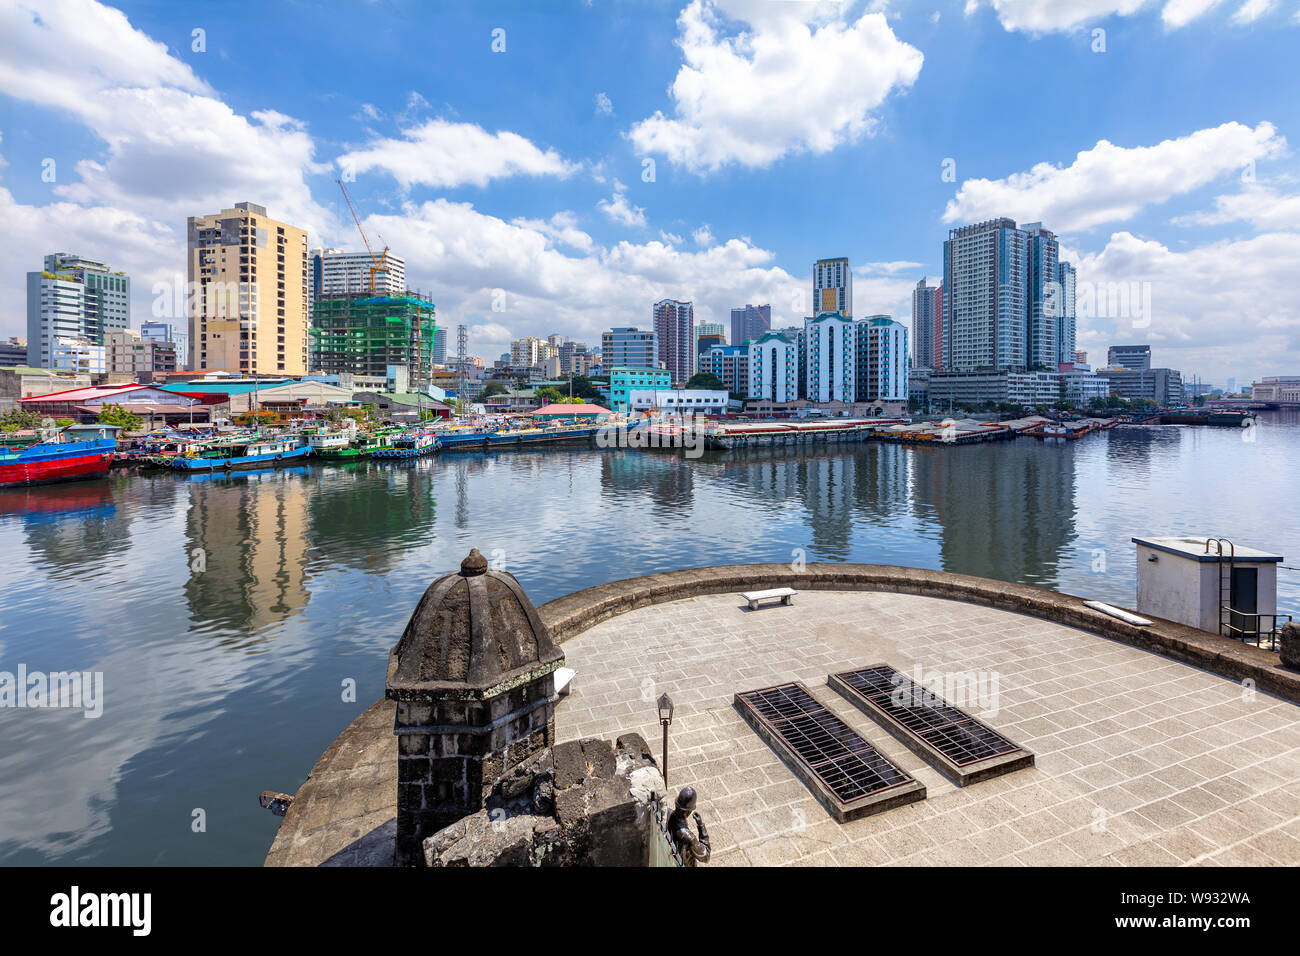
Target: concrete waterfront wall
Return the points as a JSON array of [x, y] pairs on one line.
[[574, 613]]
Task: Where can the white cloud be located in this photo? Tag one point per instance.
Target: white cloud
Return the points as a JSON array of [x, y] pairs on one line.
[[888, 268], [444, 154], [702, 236], [63, 53], [562, 228], [1047, 16], [620, 209], [784, 86], [1261, 205], [604, 105], [671, 238], [1222, 309], [171, 149], [466, 255], [1110, 183], [1252, 10], [1179, 13]]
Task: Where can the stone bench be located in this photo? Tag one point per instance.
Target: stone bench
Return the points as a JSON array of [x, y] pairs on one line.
[[783, 594]]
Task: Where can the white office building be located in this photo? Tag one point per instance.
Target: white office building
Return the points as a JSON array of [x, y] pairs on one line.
[[831, 374], [774, 368], [678, 401], [78, 355], [73, 298], [335, 272], [881, 363]]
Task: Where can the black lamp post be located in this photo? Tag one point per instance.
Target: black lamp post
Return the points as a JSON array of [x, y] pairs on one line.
[[665, 718]]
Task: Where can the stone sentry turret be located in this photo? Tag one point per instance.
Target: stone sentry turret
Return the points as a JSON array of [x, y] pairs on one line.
[[473, 680]]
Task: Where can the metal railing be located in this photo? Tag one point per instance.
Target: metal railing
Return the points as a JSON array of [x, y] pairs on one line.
[[1262, 630]]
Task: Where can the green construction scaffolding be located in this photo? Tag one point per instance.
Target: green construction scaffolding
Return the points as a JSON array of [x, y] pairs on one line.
[[364, 336]]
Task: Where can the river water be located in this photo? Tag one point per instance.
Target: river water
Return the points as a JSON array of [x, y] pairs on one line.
[[230, 615]]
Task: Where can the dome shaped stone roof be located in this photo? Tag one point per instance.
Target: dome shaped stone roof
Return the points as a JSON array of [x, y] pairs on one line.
[[474, 633]]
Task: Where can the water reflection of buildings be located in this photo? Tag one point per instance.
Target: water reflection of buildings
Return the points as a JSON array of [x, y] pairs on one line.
[[663, 478], [365, 515], [246, 546], [836, 490], [1004, 510]]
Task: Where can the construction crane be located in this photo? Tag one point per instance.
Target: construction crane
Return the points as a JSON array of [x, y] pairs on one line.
[[377, 263]]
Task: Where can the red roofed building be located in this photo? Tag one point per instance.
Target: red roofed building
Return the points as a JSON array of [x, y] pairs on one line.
[[147, 401]]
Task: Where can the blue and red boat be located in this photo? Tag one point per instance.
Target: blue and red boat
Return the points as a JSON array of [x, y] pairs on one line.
[[79, 451]]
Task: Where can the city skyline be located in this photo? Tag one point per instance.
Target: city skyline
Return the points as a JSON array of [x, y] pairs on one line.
[[554, 221]]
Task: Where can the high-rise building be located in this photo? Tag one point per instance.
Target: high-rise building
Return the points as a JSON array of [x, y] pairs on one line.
[[831, 371], [1164, 386], [730, 365], [1042, 308], [750, 322], [627, 347], [675, 330], [369, 335], [527, 351], [927, 325], [707, 335], [880, 365], [1080, 357], [249, 310], [1129, 356], [773, 363], [440, 347], [77, 299], [335, 272], [1067, 319], [833, 287], [985, 300]]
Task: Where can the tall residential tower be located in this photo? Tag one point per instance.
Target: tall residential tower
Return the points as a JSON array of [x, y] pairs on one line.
[[248, 311], [76, 299], [675, 330], [833, 287]]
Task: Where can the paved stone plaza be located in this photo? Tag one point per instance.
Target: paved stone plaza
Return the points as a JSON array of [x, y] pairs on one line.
[[1141, 760]]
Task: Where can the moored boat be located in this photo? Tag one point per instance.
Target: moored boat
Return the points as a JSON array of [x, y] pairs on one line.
[[78, 451], [414, 445], [250, 453]]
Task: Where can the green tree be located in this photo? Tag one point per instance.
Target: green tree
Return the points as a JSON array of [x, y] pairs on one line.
[[490, 389], [117, 415], [704, 380], [19, 419]]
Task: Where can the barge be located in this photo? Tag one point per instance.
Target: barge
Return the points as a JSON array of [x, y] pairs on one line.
[[76, 452]]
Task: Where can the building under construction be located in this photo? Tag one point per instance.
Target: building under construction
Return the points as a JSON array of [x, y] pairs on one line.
[[368, 334]]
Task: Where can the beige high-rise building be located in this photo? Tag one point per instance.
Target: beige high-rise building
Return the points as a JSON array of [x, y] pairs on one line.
[[248, 308]]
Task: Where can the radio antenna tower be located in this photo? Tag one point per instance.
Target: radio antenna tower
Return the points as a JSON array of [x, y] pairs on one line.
[[462, 367]]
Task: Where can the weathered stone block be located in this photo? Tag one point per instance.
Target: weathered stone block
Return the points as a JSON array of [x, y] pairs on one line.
[[1289, 646]]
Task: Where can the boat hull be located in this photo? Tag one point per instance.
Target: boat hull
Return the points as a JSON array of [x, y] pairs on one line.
[[46, 463], [243, 461], [76, 468]]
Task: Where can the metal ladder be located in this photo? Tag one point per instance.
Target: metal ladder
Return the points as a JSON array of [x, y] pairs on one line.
[[1225, 580]]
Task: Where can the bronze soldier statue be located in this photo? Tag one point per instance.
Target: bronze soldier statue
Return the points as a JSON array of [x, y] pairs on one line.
[[690, 848]]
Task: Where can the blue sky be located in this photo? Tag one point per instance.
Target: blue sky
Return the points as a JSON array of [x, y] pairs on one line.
[[779, 132]]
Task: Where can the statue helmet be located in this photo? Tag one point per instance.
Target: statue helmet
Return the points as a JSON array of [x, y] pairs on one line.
[[686, 799]]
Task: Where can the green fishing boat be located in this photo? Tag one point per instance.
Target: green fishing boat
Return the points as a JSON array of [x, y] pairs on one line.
[[362, 445]]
